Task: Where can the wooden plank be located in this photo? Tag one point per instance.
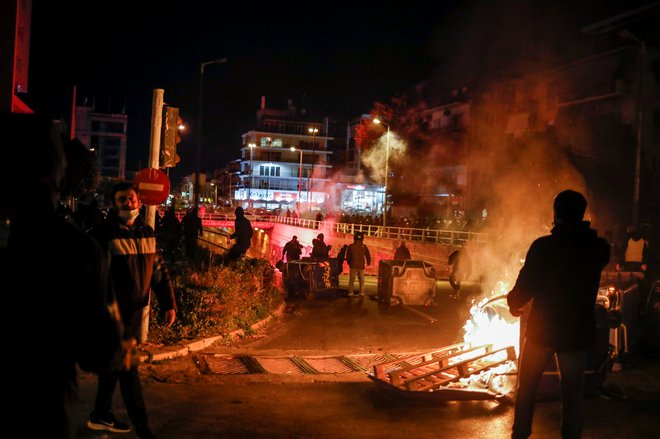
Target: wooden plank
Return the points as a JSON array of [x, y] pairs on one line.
[[462, 367]]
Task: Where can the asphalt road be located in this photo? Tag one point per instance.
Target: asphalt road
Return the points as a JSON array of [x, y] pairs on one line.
[[185, 403]]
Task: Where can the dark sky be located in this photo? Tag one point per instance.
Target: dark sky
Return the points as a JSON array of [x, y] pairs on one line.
[[332, 59]]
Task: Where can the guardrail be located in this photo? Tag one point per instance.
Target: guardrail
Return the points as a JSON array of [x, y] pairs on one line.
[[451, 237]]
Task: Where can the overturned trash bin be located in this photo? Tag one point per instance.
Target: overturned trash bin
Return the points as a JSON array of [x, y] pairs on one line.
[[310, 278], [411, 282]]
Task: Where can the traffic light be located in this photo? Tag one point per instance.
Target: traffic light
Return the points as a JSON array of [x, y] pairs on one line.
[[171, 138]]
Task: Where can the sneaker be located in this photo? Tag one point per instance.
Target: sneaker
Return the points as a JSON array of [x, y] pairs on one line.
[[108, 423]]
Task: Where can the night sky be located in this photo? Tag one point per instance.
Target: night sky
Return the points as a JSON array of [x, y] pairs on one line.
[[332, 58]]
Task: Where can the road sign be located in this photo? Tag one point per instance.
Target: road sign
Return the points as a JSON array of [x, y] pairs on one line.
[[153, 186]]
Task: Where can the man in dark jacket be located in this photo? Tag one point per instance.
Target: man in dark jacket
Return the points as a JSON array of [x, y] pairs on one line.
[[292, 250], [402, 253], [358, 258], [135, 267], [242, 234], [53, 279], [560, 278]]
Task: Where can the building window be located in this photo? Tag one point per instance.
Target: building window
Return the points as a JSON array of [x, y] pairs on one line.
[[266, 141], [276, 142]]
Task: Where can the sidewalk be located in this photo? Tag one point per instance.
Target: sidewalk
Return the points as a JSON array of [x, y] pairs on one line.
[[153, 353]]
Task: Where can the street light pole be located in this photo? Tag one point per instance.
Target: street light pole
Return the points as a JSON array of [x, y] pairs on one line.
[[387, 168], [200, 109], [251, 146], [310, 189], [299, 174]]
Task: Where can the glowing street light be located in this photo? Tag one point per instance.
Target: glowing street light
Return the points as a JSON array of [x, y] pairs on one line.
[[251, 146], [310, 183], [293, 148], [387, 169]]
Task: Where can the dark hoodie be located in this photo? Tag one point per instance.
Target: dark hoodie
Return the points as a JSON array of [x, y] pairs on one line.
[[561, 274]]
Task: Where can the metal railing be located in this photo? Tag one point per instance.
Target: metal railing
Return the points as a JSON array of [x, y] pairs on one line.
[[437, 236]]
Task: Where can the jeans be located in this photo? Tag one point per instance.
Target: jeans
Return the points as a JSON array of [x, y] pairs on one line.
[[533, 361], [351, 279], [131, 392]]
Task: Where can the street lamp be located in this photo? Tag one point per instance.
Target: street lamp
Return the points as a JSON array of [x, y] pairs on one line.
[[299, 174], [387, 169], [310, 189], [251, 146], [199, 126], [215, 193]]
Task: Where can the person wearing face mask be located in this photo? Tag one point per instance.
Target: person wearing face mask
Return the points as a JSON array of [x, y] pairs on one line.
[[135, 268]]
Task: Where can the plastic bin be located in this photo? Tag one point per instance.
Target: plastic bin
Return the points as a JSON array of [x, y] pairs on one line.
[[412, 282], [311, 279]]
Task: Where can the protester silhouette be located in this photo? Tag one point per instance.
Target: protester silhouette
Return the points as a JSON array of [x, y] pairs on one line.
[[135, 268], [461, 268], [292, 250], [560, 279], [358, 258], [320, 250], [170, 233], [192, 229], [242, 234], [55, 277], [402, 253]]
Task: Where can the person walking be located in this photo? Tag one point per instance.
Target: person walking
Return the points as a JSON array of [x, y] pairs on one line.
[[461, 268], [242, 234], [402, 253], [560, 279], [358, 258], [135, 268], [292, 250], [53, 279]]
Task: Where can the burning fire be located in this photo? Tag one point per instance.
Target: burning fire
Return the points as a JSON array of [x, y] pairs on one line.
[[491, 323]]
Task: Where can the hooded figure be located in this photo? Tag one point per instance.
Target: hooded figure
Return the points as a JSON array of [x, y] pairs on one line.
[[320, 250], [242, 235], [560, 279]]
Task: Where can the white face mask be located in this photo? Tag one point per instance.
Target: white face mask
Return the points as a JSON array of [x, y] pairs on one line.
[[129, 215]]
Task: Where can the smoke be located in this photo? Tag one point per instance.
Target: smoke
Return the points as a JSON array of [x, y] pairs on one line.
[[376, 156]]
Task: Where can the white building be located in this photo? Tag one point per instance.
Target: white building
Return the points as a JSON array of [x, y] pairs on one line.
[[284, 162]]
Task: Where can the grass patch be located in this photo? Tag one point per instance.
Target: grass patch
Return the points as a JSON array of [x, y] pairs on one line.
[[218, 300]]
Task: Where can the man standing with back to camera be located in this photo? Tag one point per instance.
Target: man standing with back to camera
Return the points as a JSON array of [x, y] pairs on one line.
[[560, 278]]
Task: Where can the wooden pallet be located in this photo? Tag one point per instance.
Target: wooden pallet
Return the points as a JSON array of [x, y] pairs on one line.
[[437, 369]]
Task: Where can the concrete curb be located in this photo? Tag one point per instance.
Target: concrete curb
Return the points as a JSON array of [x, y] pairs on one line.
[[160, 353]]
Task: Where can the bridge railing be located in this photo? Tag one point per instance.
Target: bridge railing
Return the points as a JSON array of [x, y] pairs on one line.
[[438, 236], [454, 237]]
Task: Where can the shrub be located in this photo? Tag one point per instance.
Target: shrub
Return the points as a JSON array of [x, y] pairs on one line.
[[218, 300]]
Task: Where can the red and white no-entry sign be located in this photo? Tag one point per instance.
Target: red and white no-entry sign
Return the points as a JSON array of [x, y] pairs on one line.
[[153, 186]]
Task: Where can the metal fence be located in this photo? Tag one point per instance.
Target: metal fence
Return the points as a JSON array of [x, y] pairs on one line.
[[452, 237]]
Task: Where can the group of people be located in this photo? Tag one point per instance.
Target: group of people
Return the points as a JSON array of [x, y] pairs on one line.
[[88, 291], [91, 291]]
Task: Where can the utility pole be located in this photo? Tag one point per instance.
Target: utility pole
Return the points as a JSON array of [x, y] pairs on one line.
[[154, 156], [154, 146]]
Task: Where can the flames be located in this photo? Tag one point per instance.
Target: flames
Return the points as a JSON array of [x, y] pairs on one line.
[[491, 323]]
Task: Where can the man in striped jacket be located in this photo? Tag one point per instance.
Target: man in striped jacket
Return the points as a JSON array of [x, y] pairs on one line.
[[135, 268]]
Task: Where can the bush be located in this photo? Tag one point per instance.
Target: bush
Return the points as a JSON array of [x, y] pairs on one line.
[[219, 300]]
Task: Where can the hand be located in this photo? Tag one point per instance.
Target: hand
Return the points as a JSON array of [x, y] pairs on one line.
[[129, 353], [516, 312], [169, 317]]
